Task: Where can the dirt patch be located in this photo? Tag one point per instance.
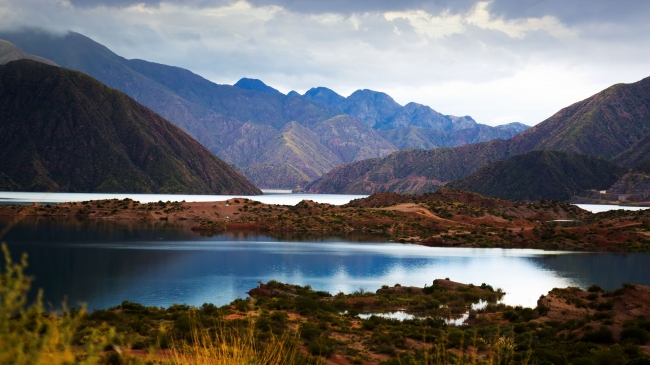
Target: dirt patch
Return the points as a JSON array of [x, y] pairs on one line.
[[361, 301]]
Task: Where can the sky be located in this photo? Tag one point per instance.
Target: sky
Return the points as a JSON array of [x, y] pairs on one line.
[[499, 61]]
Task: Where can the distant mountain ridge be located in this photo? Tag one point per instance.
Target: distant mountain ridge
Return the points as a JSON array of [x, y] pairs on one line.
[[379, 111], [255, 85], [613, 124], [62, 130], [242, 123]]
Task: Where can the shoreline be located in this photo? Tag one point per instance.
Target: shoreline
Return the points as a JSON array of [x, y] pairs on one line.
[[442, 219], [350, 328]]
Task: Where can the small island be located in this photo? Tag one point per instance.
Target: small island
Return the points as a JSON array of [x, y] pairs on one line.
[[445, 218]]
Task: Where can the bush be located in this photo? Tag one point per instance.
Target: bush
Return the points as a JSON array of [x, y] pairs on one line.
[[543, 310], [595, 289], [639, 361], [309, 331], [635, 335], [319, 348], [605, 306], [603, 335]]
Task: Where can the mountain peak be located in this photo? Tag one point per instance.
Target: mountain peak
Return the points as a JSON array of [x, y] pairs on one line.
[[324, 96], [256, 85]]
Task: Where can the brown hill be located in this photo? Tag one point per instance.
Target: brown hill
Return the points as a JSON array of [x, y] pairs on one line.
[[541, 175], [62, 130]]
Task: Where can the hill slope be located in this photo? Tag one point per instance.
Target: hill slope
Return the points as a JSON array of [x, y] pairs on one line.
[[606, 125], [541, 175], [9, 52], [636, 156], [64, 131]]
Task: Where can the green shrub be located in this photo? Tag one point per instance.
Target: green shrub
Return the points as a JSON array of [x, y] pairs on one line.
[[595, 289], [635, 335], [309, 331], [603, 335], [320, 348]]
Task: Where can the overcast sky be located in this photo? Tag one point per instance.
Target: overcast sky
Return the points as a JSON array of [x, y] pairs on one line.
[[499, 61]]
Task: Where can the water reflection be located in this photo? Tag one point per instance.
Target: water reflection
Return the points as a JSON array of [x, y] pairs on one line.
[[13, 197], [104, 262]]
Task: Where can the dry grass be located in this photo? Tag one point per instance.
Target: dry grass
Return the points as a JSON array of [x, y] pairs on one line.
[[229, 345]]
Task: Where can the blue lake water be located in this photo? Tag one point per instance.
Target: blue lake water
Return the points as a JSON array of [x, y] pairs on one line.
[[102, 263]]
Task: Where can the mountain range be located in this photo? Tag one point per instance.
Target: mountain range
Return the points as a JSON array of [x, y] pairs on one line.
[[276, 140], [614, 124], [62, 130]]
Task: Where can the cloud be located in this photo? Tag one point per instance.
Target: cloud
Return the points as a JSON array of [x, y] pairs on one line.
[[494, 62], [568, 12], [149, 3], [344, 7], [574, 11]]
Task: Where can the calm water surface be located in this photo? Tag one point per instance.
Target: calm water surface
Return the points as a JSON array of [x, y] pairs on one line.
[[102, 263], [269, 197], [12, 197]]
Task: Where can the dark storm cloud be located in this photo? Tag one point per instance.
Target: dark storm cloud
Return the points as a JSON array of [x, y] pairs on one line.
[[573, 11], [569, 12]]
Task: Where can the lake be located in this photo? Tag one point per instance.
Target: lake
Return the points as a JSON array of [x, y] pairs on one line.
[[12, 197], [102, 263]]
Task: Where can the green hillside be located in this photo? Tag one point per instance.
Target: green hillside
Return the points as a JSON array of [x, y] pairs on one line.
[[541, 175], [637, 156], [62, 130]]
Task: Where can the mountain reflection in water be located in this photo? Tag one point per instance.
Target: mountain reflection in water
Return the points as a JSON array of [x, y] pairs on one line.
[[103, 263]]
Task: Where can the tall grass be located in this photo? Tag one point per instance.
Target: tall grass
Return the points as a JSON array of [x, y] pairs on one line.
[[29, 335], [498, 351], [230, 345]]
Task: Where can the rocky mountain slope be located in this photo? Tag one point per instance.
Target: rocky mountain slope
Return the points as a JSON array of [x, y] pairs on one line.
[[238, 123], [613, 124], [413, 125], [541, 175], [62, 130]]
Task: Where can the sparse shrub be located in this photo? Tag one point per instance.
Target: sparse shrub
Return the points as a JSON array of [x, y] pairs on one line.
[[635, 335], [603, 335]]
